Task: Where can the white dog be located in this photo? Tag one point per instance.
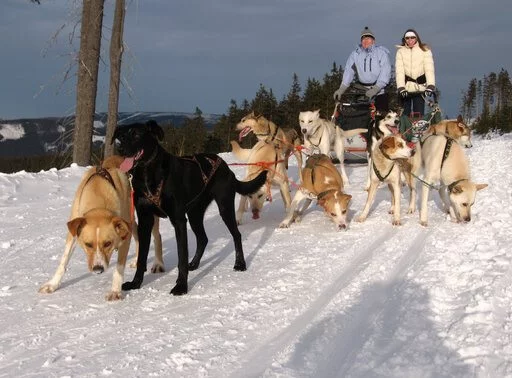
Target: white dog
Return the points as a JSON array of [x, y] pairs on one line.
[[323, 136], [443, 160]]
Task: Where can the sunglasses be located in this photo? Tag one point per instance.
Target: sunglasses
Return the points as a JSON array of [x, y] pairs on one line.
[[410, 37]]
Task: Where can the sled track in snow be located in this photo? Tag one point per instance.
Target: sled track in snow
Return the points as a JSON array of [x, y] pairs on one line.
[[344, 348], [260, 359]]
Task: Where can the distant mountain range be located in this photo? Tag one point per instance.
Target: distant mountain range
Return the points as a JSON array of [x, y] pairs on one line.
[[40, 136]]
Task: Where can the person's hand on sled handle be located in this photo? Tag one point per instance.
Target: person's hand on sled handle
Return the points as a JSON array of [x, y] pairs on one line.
[[402, 92], [372, 92], [337, 94], [430, 89]]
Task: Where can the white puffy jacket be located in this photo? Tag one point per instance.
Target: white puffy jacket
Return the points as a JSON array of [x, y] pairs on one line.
[[414, 62]]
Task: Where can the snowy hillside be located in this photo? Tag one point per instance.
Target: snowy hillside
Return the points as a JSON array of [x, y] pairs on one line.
[[373, 301]]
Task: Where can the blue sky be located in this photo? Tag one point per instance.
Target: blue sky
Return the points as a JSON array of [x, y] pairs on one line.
[[183, 54]]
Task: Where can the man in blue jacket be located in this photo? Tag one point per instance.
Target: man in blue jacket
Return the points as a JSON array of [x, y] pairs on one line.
[[370, 62]]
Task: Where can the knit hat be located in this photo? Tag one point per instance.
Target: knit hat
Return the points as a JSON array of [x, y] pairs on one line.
[[367, 33], [410, 33]]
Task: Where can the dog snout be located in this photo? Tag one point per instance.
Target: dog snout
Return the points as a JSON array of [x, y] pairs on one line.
[[342, 226], [98, 269], [304, 131]]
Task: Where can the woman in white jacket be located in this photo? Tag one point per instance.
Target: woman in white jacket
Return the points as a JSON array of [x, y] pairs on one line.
[[415, 74]]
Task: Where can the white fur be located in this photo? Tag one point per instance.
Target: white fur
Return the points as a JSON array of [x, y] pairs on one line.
[[323, 136]]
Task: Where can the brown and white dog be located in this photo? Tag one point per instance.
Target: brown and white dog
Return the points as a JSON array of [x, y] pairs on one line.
[[387, 155], [100, 222], [288, 140], [454, 128], [444, 161], [323, 136], [321, 180], [263, 156], [379, 128]]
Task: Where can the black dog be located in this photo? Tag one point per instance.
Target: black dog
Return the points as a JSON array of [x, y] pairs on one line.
[[178, 187]]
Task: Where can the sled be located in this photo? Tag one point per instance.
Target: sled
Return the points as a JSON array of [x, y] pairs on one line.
[[355, 111], [413, 126]]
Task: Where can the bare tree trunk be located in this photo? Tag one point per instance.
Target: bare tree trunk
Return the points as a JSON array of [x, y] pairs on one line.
[[116, 54], [90, 45]]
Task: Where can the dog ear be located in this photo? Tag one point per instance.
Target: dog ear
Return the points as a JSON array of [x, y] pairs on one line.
[[155, 129], [122, 227], [75, 226], [457, 189], [459, 119], [481, 186]]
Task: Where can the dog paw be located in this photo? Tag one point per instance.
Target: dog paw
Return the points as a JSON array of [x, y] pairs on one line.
[[424, 223], [47, 288], [240, 266], [132, 285], [396, 222], [113, 296], [193, 265], [411, 210], [284, 225], [179, 289], [157, 268], [133, 263], [361, 219]]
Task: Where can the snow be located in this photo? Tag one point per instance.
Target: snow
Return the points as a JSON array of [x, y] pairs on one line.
[[373, 301], [11, 131]]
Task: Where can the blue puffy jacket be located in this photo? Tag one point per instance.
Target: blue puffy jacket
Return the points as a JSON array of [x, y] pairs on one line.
[[372, 66]]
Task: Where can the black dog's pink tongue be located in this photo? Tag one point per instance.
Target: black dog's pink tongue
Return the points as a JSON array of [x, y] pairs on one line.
[[127, 164]]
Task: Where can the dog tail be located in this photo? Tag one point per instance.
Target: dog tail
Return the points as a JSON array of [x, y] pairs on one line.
[[249, 187], [351, 133]]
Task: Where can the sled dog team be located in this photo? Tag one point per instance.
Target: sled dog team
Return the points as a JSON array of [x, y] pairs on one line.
[[179, 188]]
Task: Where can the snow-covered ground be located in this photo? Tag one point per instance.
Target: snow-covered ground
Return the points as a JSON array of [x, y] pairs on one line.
[[373, 301]]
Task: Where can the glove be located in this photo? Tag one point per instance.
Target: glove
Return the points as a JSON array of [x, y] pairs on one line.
[[339, 92], [372, 92], [430, 89], [402, 92]]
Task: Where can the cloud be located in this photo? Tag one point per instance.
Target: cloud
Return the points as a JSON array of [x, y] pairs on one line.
[[192, 53]]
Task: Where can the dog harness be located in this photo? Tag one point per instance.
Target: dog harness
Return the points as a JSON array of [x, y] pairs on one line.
[[102, 172], [446, 152], [273, 136], [377, 173]]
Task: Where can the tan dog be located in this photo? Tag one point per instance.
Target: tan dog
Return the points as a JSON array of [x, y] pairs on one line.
[[444, 161], [262, 156], [321, 180], [288, 140], [454, 128], [324, 136], [158, 266], [100, 223], [387, 155]]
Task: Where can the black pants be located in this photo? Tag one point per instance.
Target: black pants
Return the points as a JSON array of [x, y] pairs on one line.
[[414, 103], [382, 103]]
